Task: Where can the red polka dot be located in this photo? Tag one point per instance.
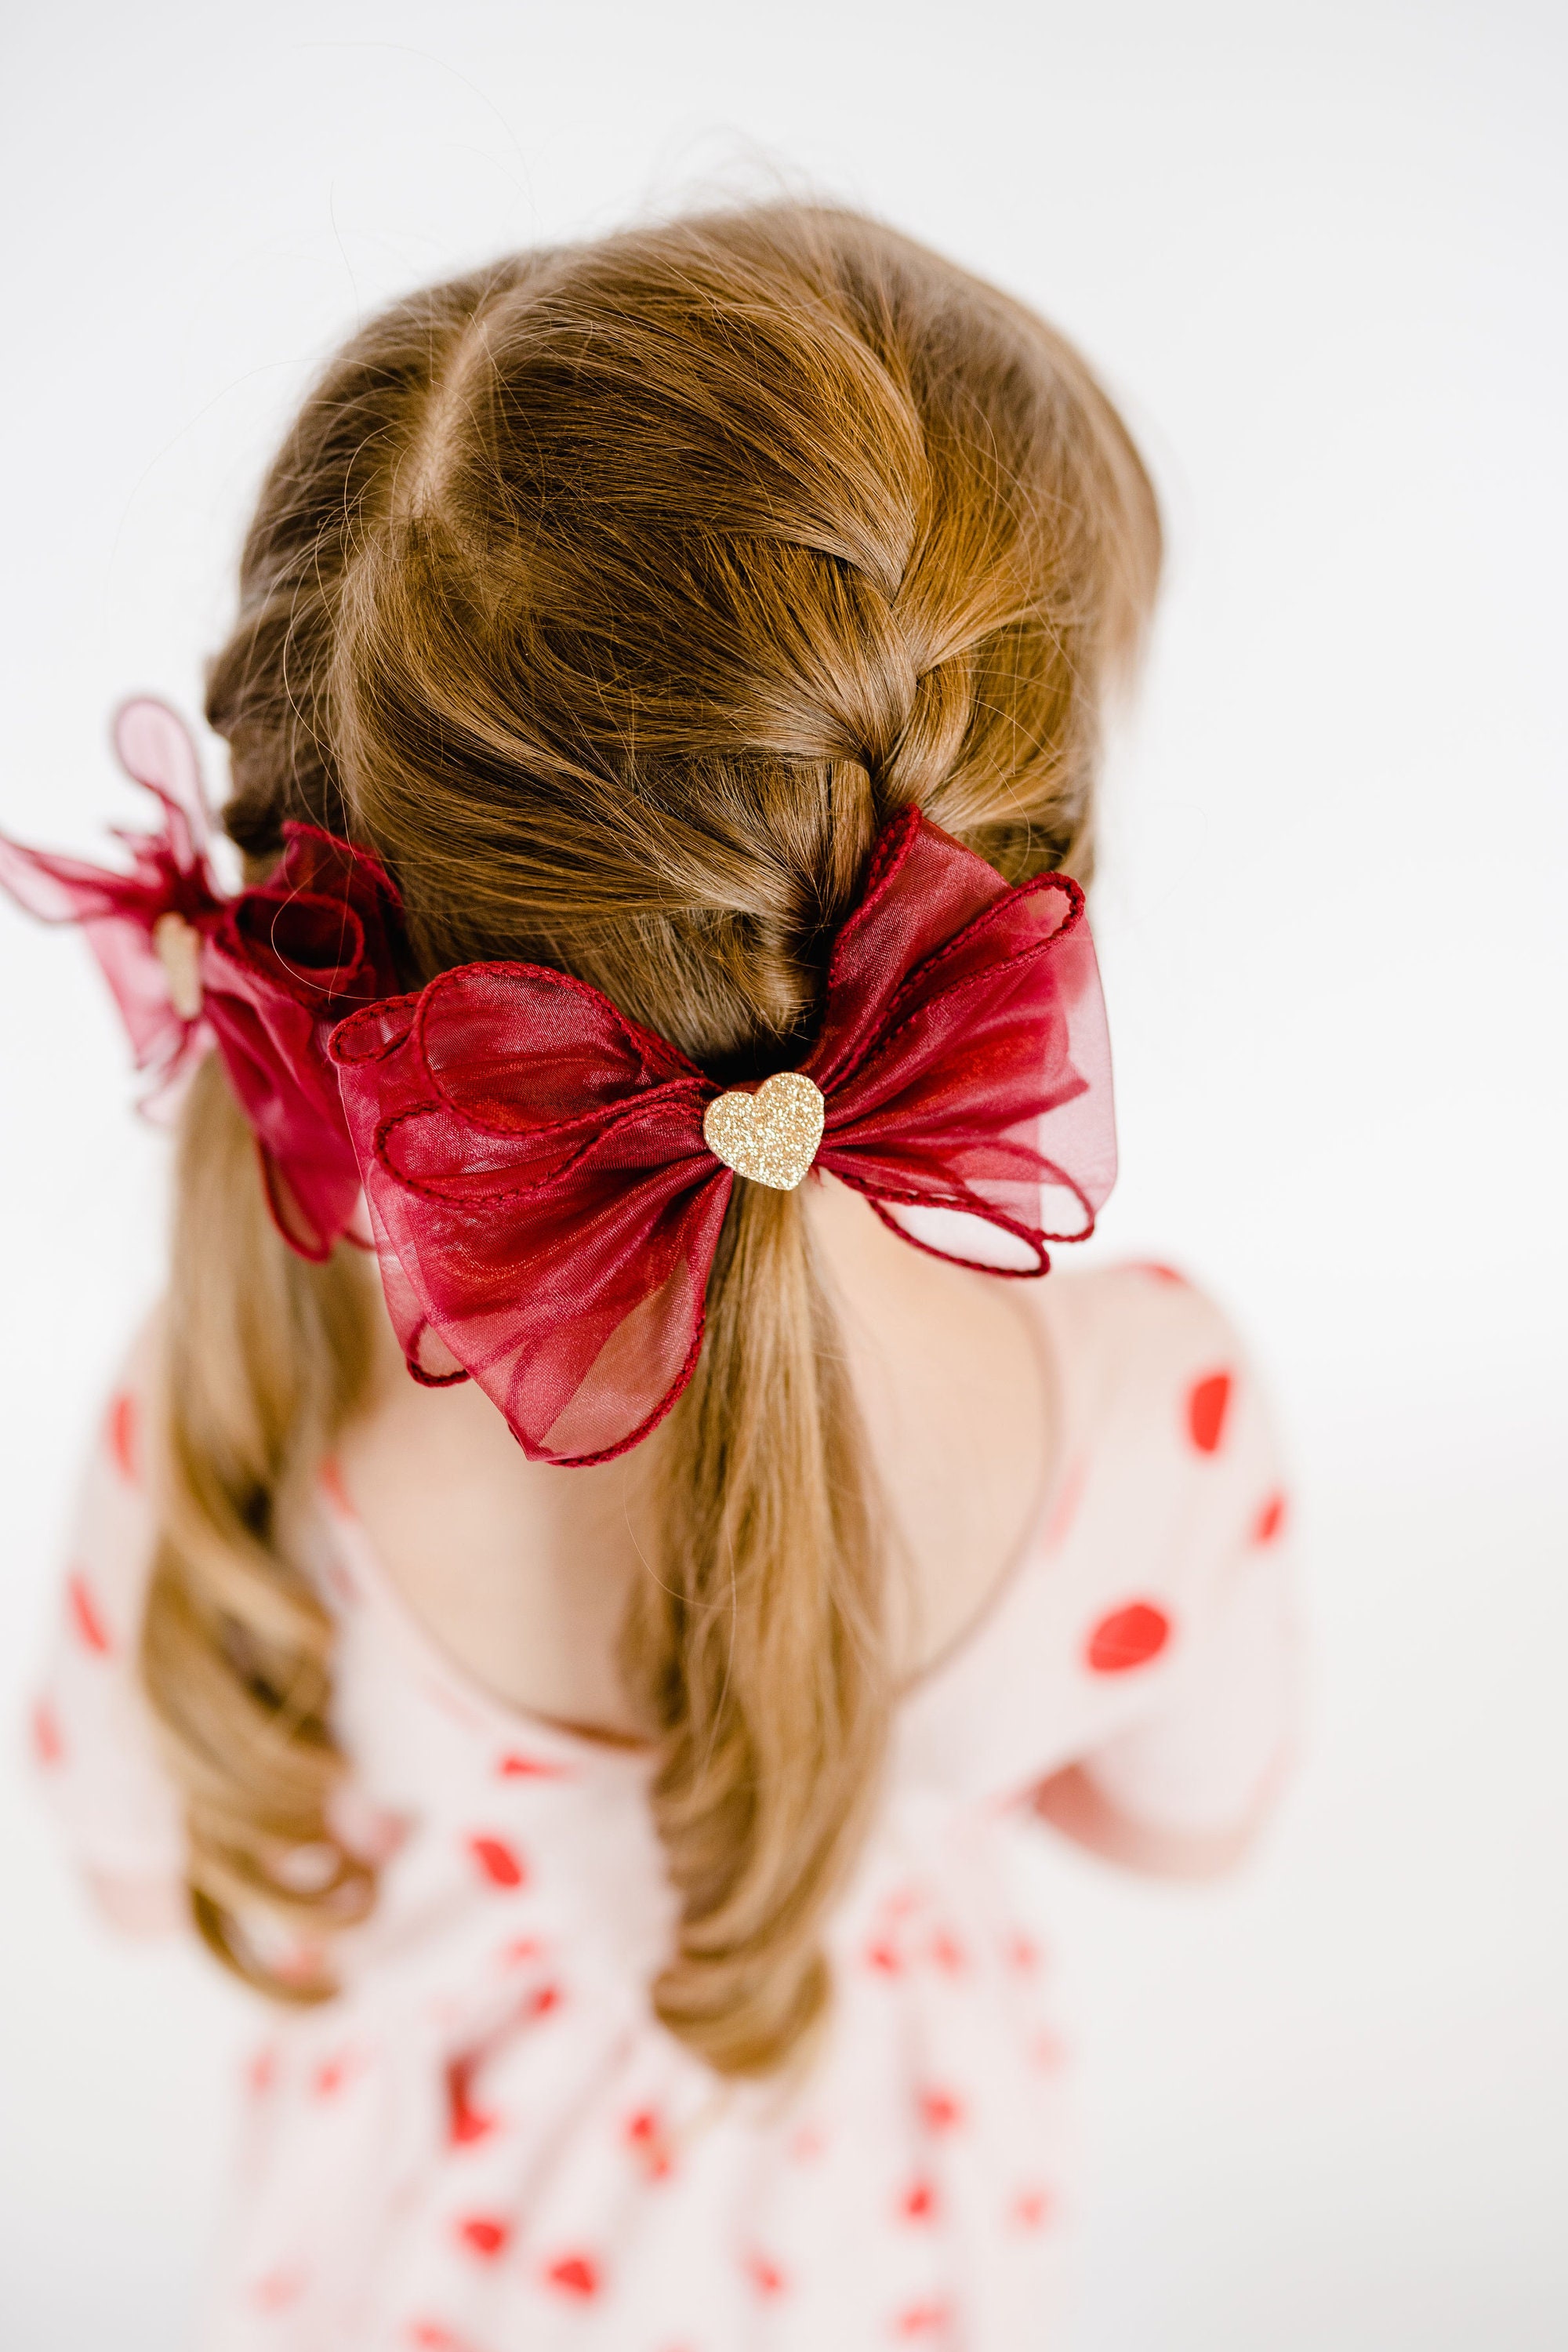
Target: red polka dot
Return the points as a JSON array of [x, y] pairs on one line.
[[1207, 1403], [649, 2141], [483, 2234], [922, 2319], [576, 2274], [500, 1864], [330, 1476], [278, 2290], [948, 1953], [433, 2336], [939, 2111], [1065, 1509], [1022, 1953], [49, 1745], [332, 2075], [1032, 2209], [1128, 1637], [542, 2000], [807, 2145], [1270, 1520], [464, 2122], [89, 1626], [765, 2275], [123, 1427], [260, 2072], [525, 1947], [342, 1584], [1157, 1272], [918, 2202], [515, 1766], [883, 1956]]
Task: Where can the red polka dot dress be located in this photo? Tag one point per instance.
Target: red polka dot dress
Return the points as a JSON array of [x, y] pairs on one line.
[[487, 2142]]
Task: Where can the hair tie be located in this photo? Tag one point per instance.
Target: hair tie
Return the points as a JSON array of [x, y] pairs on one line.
[[546, 1181]]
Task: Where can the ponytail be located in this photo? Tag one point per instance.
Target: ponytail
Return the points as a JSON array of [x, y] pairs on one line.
[[759, 1646]]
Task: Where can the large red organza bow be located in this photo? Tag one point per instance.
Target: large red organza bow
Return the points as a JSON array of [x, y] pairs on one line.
[[545, 1205], [264, 975]]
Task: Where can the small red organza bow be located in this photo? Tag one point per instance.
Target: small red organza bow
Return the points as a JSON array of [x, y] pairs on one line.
[[264, 975], [546, 1208], [121, 913]]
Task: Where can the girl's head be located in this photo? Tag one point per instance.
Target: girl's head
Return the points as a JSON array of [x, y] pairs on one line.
[[615, 596]]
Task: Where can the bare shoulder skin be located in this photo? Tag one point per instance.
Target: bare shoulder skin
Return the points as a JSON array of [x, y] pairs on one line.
[[522, 1570]]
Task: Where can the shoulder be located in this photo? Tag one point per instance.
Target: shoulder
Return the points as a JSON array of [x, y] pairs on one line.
[[1156, 1381], [1139, 1325], [1165, 1484]]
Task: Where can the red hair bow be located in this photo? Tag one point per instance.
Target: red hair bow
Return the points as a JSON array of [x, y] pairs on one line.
[[546, 1181], [264, 975], [546, 1206], [122, 914]]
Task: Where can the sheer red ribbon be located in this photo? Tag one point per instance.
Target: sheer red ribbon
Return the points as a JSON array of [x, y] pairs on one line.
[[538, 1190], [119, 913], [276, 967], [544, 1205], [284, 963]]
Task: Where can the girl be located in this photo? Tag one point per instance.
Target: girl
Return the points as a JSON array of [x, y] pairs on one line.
[[663, 715]]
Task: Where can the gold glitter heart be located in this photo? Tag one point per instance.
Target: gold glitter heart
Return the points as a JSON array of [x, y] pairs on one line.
[[771, 1136]]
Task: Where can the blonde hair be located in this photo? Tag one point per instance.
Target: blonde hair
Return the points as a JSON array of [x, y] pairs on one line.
[[614, 596]]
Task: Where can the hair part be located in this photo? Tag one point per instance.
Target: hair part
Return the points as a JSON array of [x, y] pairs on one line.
[[614, 596]]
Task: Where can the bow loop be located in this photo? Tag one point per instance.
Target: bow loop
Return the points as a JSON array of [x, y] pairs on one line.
[[288, 961], [519, 1047], [963, 1098], [921, 887]]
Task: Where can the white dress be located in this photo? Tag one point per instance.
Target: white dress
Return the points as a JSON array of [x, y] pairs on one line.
[[488, 2144]]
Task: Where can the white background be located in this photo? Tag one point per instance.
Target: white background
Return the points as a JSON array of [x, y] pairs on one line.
[[1317, 253]]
